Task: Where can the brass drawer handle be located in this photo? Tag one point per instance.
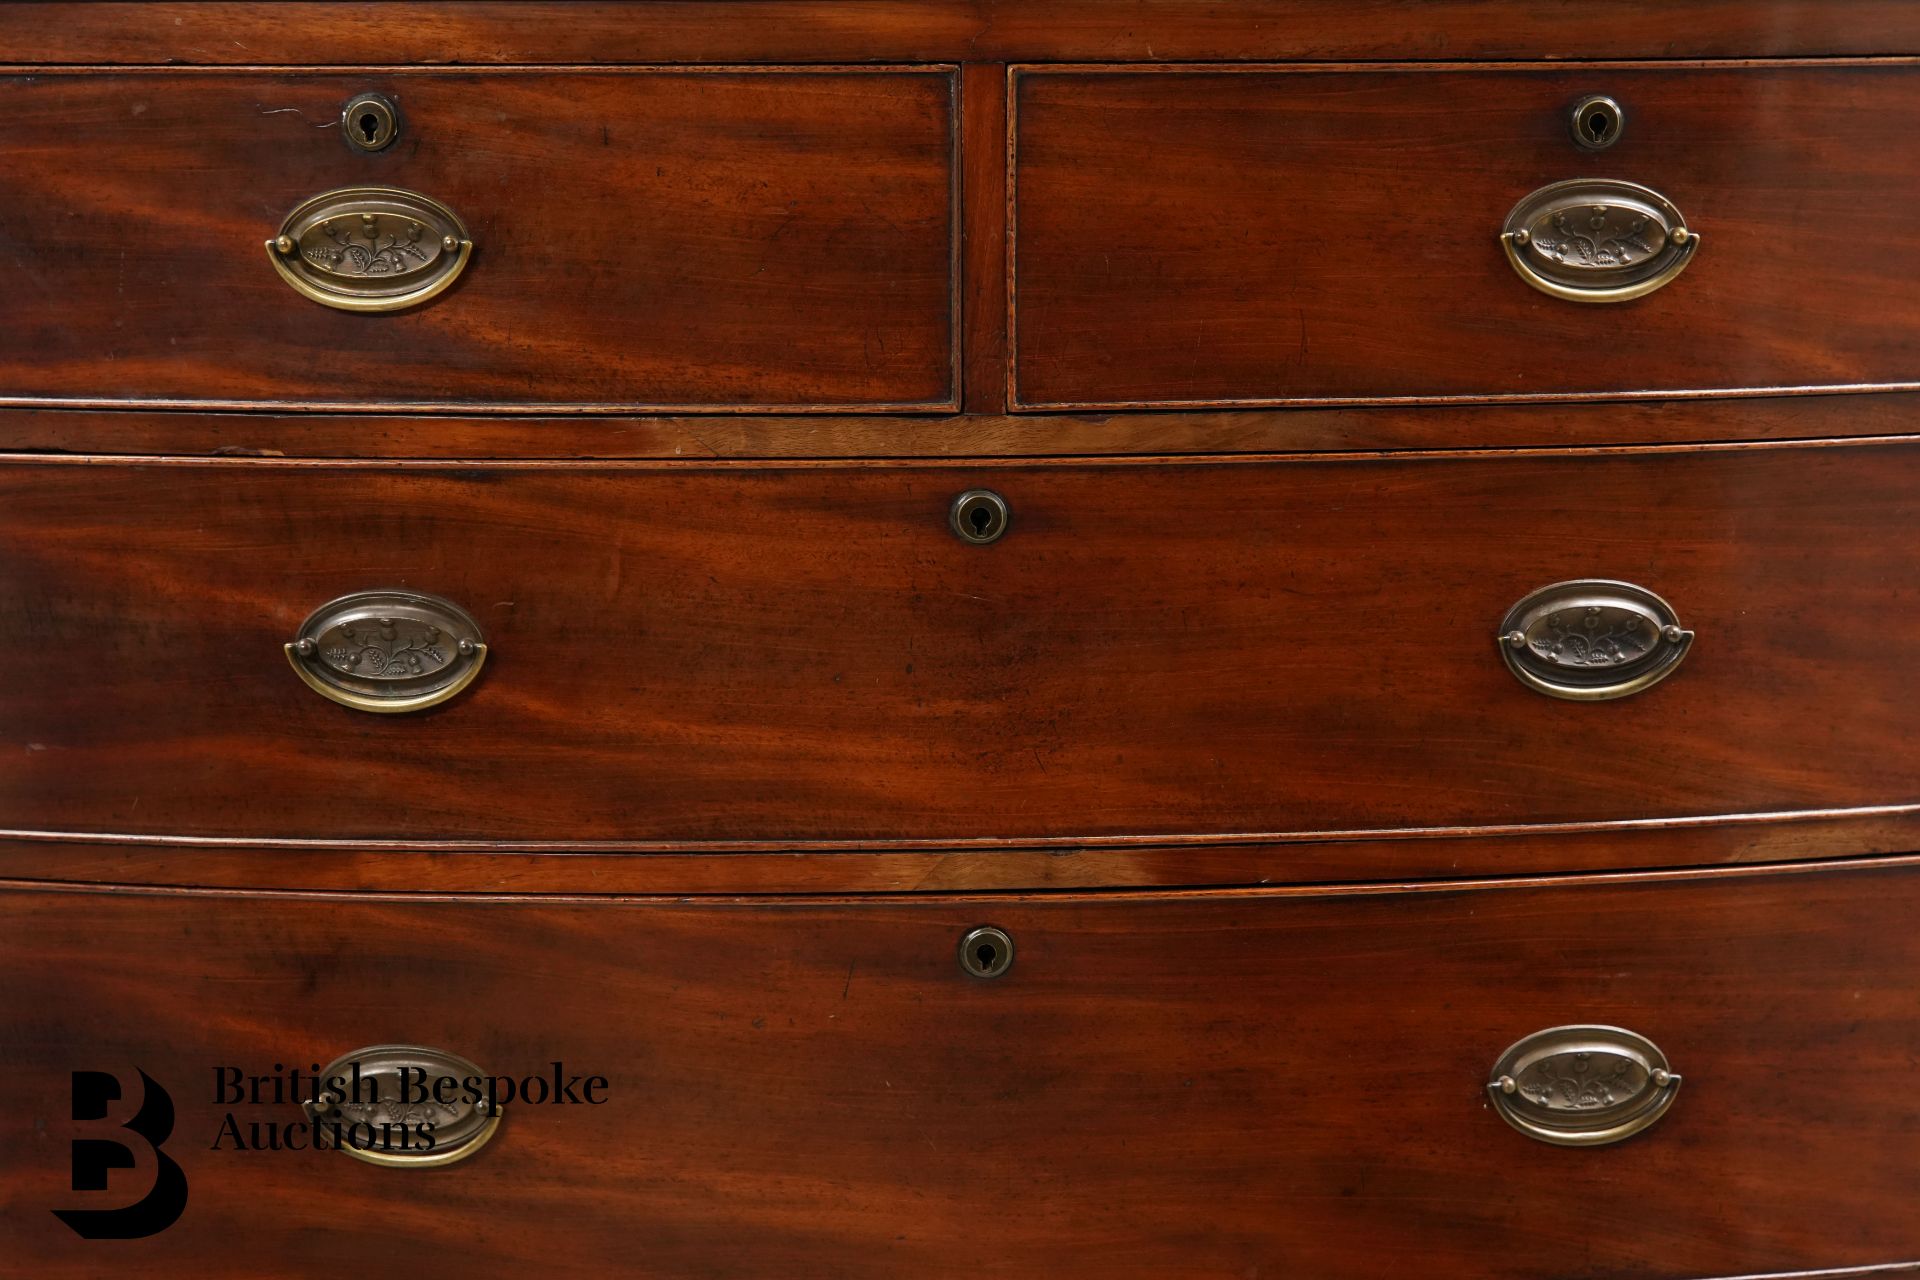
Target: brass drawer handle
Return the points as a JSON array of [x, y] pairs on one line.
[[1598, 240], [388, 651], [370, 248], [1582, 1086], [422, 1119], [1592, 639]]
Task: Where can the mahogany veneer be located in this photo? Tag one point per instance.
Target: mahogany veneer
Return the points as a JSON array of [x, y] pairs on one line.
[[739, 653], [306, 32], [1245, 235], [1288, 1083], [1221, 733], [763, 237]]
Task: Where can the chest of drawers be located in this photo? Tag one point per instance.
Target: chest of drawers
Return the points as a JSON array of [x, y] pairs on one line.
[[960, 639]]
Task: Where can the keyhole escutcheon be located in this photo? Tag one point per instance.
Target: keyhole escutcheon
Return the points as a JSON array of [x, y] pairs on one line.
[[1597, 122], [369, 122], [986, 951], [979, 516]]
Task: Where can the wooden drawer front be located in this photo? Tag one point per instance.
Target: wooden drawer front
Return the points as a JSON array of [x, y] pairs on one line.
[[1226, 236], [794, 653], [765, 238], [1219, 1085]]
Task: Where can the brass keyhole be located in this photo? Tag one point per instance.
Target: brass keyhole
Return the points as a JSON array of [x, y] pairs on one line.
[[986, 952], [1597, 122], [980, 516], [370, 122]]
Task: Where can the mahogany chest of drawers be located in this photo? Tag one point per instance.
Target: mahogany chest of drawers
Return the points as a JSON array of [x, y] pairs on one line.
[[865, 638]]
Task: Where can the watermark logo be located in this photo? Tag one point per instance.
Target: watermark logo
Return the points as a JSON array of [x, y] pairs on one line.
[[95, 1158]]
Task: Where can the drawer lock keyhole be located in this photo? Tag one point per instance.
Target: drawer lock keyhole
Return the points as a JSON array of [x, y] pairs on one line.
[[980, 516], [370, 122], [1597, 122], [986, 952]]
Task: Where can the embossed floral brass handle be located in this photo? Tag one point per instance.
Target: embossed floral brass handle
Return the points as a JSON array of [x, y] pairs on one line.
[[370, 248], [1582, 1086], [423, 1119], [1592, 639], [1598, 240], [388, 651]]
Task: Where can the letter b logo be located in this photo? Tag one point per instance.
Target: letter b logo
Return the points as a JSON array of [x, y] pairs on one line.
[[161, 1207]]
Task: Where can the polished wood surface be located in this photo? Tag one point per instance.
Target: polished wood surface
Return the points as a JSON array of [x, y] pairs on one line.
[[973, 435], [425, 866], [505, 31], [718, 653], [1220, 236], [772, 238], [1255, 1083], [1220, 732]]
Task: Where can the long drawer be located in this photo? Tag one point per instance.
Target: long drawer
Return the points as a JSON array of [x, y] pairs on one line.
[[746, 238], [1239, 1083], [808, 653], [1249, 235]]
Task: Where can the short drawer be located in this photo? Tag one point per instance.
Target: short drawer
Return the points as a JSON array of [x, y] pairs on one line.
[[749, 238], [700, 653], [1219, 1084], [1214, 236]]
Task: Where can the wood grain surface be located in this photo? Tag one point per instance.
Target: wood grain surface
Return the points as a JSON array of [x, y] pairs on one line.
[[1232, 1084], [550, 867], [973, 435], [714, 240], [1219, 733], [506, 31], [804, 654], [1237, 236]]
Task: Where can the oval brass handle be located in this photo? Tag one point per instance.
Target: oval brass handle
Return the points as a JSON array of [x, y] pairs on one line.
[[1582, 1086], [1592, 639], [388, 651], [1598, 240], [370, 248], [403, 1106]]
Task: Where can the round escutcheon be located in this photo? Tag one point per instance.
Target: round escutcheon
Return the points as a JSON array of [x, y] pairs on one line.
[[1598, 121], [980, 516], [369, 122], [986, 951]]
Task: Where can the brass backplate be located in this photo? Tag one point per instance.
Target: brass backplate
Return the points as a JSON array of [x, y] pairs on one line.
[[371, 248], [388, 651], [1598, 240], [1582, 1086], [1592, 639], [420, 1120]]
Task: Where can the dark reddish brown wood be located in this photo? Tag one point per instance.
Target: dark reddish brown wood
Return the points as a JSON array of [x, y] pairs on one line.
[[1386, 427], [826, 30], [1284, 1083], [747, 239], [1214, 236], [983, 95], [425, 867], [804, 653]]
